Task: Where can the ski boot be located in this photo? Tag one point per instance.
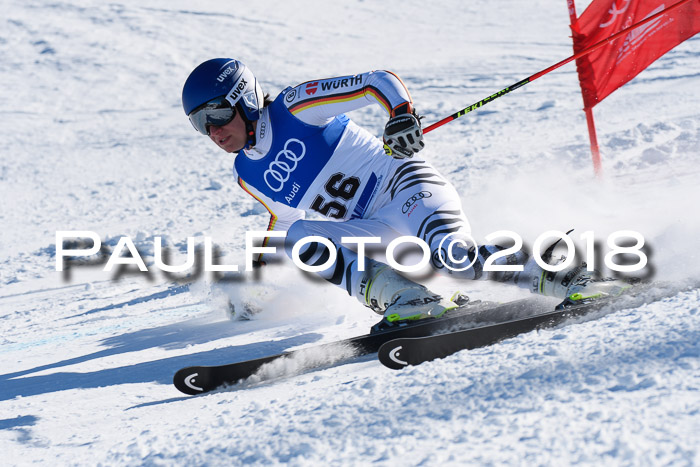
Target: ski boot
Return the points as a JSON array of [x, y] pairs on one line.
[[575, 285], [400, 300]]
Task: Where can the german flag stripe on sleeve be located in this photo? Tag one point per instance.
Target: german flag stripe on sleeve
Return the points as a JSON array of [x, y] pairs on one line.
[[343, 97], [273, 216]]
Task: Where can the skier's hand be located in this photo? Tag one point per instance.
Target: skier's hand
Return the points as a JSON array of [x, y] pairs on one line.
[[403, 136]]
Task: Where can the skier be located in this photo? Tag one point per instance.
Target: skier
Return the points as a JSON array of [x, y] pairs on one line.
[[300, 154]]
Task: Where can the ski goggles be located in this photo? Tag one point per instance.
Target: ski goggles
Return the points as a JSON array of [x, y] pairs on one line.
[[217, 112]]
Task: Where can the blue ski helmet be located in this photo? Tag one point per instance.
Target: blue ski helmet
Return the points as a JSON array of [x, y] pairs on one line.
[[223, 77]]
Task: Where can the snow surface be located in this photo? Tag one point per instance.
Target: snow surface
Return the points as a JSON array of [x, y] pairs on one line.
[[94, 138]]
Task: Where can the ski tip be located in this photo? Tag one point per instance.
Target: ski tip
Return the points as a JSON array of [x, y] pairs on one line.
[[390, 355], [186, 381]]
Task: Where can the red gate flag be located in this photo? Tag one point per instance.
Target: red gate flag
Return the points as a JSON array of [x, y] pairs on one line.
[[603, 71]]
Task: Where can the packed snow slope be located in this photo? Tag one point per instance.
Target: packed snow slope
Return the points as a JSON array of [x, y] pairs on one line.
[[94, 138]]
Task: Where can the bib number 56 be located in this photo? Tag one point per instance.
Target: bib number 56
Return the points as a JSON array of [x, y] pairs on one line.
[[340, 189]]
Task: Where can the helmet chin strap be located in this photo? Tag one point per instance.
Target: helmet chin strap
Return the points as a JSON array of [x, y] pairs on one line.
[[250, 133], [249, 128]]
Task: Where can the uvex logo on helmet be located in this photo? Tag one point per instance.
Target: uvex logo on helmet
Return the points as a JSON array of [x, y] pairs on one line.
[[224, 74], [235, 92]]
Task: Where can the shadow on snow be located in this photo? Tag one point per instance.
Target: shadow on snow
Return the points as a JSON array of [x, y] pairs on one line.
[[170, 337]]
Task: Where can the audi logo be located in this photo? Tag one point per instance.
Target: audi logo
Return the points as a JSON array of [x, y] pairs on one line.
[[285, 163], [412, 200]]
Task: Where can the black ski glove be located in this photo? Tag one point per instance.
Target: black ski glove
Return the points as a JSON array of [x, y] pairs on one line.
[[403, 136]]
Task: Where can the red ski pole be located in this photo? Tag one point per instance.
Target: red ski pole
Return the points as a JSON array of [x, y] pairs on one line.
[[532, 78]]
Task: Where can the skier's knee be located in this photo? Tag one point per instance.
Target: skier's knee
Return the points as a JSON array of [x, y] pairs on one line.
[[309, 252], [471, 262], [456, 259]]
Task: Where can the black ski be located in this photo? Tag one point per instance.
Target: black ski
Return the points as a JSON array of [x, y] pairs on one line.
[[403, 351], [200, 379]]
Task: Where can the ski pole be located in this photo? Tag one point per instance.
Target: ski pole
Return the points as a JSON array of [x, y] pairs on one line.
[[532, 78]]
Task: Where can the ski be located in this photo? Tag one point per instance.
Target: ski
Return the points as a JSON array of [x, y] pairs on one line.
[[404, 351], [476, 324], [201, 379]]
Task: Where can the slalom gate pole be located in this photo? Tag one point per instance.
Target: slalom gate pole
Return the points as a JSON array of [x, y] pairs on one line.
[[592, 137], [532, 78]]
